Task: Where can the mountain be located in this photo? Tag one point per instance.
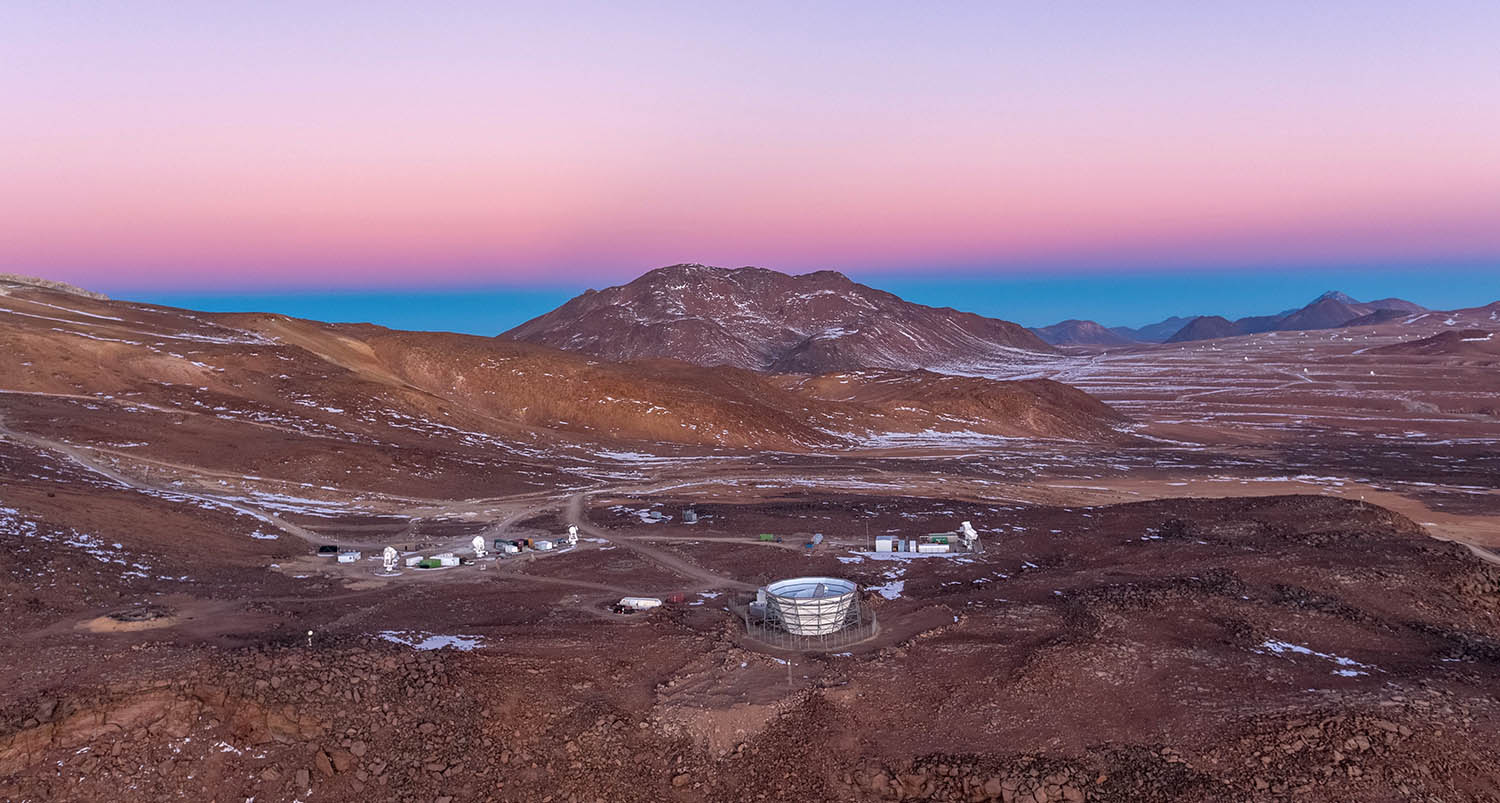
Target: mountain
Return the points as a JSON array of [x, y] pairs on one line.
[[275, 395], [1081, 333], [1205, 327], [1155, 332], [1397, 304], [1323, 313], [17, 280], [763, 320], [1376, 318], [1330, 310]]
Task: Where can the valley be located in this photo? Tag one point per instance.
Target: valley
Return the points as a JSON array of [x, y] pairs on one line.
[[1259, 567]]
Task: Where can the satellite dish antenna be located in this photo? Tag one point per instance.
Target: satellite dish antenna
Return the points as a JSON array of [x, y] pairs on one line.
[[572, 535], [478, 543]]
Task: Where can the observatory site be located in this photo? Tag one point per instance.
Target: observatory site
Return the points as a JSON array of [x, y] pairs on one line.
[[682, 402], [738, 535]]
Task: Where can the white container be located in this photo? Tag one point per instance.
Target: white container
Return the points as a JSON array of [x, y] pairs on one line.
[[447, 560], [348, 557], [640, 603], [927, 548], [542, 546], [413, 560], [885, 545], [509, 549]]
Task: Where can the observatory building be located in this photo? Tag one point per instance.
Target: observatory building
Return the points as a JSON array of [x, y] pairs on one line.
[[809, 613]]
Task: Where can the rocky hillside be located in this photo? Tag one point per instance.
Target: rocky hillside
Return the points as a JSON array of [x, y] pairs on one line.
[[762, 320], [1454, 342], [259, 371], [965, 404]]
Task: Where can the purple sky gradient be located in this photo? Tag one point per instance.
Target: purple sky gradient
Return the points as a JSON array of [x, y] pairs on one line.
[[233, 144]]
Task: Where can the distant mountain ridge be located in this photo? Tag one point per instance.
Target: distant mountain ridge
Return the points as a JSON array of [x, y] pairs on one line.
[[1154, 332], [1330, 310], [764, 320]]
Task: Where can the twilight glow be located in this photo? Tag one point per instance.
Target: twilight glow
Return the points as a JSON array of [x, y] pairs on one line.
[[236, 144]]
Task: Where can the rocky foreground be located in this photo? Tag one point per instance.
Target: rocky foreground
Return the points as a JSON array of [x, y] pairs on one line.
[[359, 722], [1078, 675]]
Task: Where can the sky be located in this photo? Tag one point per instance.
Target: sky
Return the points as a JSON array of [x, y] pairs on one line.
[[972, 152]]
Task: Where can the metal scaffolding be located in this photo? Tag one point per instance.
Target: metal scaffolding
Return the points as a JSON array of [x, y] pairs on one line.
[[771, 625]]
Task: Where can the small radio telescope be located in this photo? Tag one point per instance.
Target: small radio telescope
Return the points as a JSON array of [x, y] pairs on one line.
[[479, 550], [388, 560]]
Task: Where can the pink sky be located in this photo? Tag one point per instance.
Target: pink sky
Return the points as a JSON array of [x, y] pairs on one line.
[[340, 144]]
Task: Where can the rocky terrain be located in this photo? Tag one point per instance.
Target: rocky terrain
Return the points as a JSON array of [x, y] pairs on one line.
[[763, 320], [1454, 342], [1267, 649], [1262, 568]]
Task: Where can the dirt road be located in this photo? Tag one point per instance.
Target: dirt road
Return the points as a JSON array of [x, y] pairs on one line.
[[708, 580]]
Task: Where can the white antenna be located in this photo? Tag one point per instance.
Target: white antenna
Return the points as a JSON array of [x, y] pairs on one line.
[[478, 543], [970, 537], [390, 556], [572, 535]]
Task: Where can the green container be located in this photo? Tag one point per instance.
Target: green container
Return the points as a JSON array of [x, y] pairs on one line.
[[767, 537], [429, 564]]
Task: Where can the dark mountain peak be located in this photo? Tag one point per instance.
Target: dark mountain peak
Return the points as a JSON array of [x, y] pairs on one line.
[[1074, 332], [764, 320], [1335, 295], [1205, 327]]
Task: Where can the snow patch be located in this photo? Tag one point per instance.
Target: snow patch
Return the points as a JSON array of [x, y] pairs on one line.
[[419, 640]]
